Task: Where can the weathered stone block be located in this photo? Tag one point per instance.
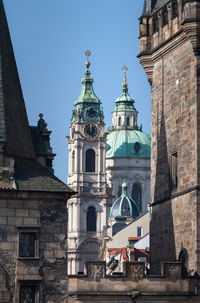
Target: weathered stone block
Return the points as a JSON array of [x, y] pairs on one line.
[[134, 271], [96, 270]]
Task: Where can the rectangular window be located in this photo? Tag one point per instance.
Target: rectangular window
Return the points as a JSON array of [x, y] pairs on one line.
[[139, 231], [29, 291], [27, 294], [28, 242], [174, 170]]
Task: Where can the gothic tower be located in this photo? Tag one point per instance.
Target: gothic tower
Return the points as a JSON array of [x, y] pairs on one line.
[[169, 53], [88, 209]]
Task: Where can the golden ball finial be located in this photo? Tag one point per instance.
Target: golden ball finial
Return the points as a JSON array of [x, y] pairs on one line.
[[87, 64], [124, 68], [87, 54]]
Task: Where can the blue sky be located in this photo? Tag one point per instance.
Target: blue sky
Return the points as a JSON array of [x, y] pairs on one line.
[[49, 39]]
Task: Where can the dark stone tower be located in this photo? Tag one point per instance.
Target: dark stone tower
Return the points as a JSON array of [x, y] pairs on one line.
[[170, 53], [33, 215]]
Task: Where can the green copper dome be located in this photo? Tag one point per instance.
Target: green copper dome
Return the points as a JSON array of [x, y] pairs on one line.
[[128, 143], [124, 206], [87, 106]]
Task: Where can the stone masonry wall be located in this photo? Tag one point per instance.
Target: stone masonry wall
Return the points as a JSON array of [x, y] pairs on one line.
[[174, 120], [174, 129], [48, 271]]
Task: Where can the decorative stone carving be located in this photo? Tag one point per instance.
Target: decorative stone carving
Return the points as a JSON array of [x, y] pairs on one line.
[[96, 270], [172, 271], [134, 271]]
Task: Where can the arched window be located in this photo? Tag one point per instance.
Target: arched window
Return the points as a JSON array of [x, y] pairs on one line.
[[119, 191], [137, 195], [91, 219], [90, 160], [73, 161], [127, 121], [119, 121]]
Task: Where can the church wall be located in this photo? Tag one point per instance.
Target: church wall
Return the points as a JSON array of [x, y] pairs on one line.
[[130, 170], [46, 271]]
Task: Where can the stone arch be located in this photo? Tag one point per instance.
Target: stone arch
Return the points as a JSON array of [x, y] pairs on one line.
[[87, 245], [88, 250]]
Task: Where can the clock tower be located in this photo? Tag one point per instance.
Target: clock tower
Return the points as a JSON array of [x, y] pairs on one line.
[[88, 210]]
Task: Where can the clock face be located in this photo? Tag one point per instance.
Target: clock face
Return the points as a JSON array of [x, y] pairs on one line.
[[91, 112], [90, 130]]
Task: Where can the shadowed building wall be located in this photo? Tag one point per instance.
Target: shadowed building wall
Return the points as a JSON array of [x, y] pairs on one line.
[[169, 53]]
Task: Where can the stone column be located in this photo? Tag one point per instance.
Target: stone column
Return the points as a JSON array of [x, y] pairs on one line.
[[98, 222], [69, 218], [78, 216]]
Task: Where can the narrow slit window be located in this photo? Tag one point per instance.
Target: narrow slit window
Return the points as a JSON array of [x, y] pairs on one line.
[[155, 24], [165, 15], [174, 170], [174, 9], [139, 231]]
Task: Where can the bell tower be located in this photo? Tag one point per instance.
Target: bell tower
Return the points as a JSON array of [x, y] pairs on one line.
[[170, 55], [88, 209]]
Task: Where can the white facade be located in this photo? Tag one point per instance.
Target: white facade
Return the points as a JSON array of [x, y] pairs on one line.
[[88, 209], [131, 171]]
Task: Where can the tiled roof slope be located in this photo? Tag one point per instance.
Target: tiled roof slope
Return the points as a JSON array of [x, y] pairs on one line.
[[150, 6], [31, 176], [14, 128]]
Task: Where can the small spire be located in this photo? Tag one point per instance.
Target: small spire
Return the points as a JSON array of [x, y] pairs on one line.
[[87, 54], [124, 68], [124, 189]]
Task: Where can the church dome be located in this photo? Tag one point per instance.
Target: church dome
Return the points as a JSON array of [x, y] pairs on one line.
[[124, 206], [125, 143]]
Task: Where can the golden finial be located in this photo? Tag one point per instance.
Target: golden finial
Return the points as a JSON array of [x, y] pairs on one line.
[[87, 54], [124, 68]]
